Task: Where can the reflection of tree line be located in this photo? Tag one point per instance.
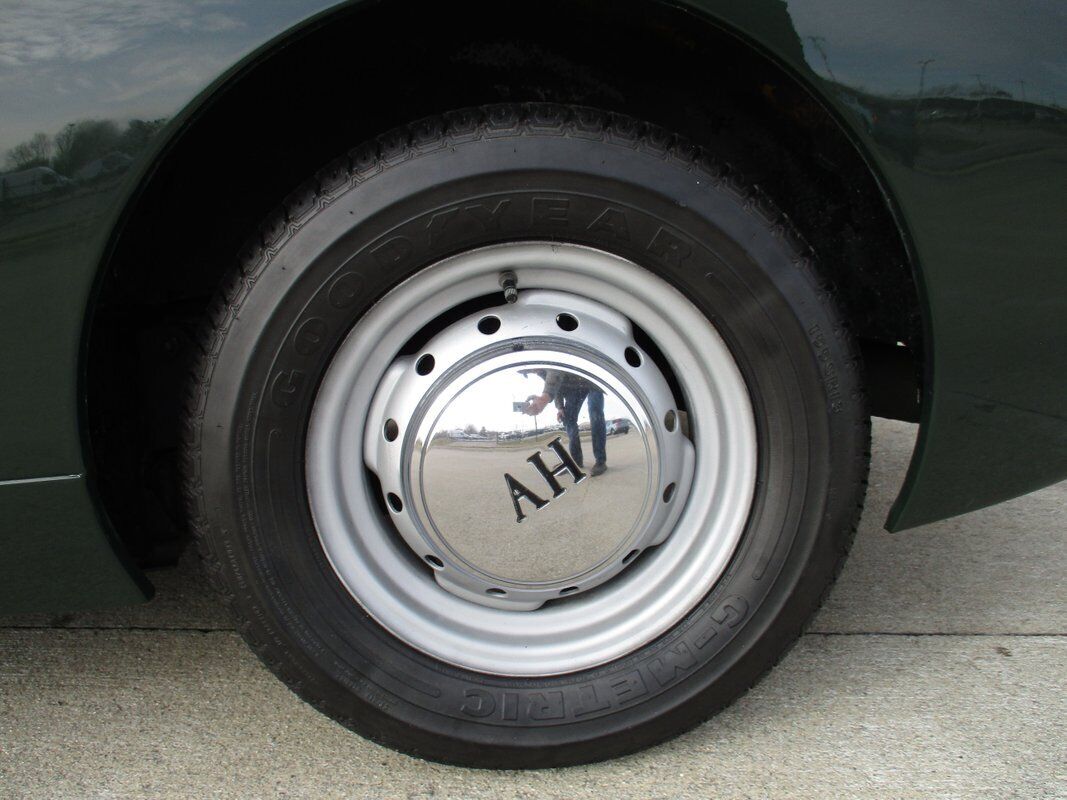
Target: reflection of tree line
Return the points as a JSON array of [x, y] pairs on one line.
[[946, 130], [471, 433], [79, 144], [944, 104]]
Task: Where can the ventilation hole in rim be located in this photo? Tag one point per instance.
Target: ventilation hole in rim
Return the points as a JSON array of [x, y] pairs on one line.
[[670, 420], [395, 502], [489, 325], [434, 562], [566, 322], [568, 590], [425, 365], [496, 592], [668, 493], [392, 430], [630, 556], [633, 358]]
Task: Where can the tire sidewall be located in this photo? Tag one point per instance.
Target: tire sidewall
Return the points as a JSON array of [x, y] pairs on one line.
[[408, 206]]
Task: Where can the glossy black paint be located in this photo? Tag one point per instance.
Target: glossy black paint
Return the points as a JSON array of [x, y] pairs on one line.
[[958, 109]]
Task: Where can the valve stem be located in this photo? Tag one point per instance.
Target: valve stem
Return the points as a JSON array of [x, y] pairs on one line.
[[510, 284]]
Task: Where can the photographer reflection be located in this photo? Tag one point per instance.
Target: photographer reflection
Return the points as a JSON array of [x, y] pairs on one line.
[[569, 392]]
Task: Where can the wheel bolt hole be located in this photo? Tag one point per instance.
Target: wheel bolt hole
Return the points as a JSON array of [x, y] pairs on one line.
[[668, 493], [434, 562], [489, 325], [566, 322], [496, 592], [392, 430], [633, 358], [669, 421], [395, 502], [425, 365], [630, 556], [568, 590]]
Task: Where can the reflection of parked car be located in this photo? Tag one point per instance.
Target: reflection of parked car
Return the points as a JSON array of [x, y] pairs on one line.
[[28, 182], [615, 426], [112, 162]]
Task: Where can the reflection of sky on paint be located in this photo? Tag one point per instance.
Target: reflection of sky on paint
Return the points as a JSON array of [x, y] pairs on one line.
[[877, 46], [65, 60], [488, 403]]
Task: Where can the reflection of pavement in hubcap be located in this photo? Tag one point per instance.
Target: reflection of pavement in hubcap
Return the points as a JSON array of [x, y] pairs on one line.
[[565, 538]]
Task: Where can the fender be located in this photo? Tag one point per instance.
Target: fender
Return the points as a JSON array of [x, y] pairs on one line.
[[959, 118]]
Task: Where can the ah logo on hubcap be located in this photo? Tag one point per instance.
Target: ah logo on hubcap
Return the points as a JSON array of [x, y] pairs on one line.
[[518, 491]]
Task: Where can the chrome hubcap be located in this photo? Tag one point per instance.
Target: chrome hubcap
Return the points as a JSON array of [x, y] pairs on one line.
[[510, 508], [418, 509]]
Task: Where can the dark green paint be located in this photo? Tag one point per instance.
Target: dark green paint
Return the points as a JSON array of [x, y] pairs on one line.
[[960, 109], [975, 174], [56, 554]]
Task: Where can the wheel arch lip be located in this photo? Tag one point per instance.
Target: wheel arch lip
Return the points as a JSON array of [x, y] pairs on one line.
[[755, 31], [849, 121], [319, 14]]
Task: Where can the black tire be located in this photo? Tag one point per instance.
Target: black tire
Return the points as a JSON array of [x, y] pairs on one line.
[[745, 268]]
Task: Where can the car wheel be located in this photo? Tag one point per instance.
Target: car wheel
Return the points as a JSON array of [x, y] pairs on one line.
[[443, 572]]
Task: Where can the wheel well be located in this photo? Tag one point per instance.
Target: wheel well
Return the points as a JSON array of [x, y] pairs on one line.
[[375, 66]]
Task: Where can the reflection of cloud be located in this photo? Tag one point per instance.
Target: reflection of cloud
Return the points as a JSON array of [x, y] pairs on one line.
[[186, 75], [67, 60], [60, 30], [155, 74], [1059, 69], [217, 23]]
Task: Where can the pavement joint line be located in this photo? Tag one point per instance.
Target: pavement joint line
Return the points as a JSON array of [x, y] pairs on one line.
[[113, 628], [962, 634], [155, 629]]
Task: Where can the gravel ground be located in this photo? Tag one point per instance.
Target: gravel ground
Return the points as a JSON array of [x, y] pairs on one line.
[[938, 668]]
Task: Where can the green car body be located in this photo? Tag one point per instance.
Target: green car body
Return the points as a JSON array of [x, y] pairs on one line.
[[974, 173]]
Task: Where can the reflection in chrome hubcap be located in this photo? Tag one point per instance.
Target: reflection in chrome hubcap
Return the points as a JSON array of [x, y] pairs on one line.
[[502, 502], [436, 568]]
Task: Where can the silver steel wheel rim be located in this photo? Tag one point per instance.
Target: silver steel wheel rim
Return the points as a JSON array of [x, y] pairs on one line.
[[620, 615], [443, 484]]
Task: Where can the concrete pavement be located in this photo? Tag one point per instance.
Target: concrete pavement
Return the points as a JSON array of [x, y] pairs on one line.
[[937, 668]]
